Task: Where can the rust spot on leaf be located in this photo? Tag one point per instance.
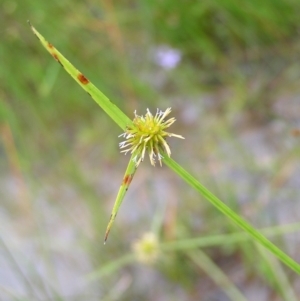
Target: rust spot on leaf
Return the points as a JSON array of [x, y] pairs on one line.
[[82, 79], [56, 58], [127, 180], [50, 45]]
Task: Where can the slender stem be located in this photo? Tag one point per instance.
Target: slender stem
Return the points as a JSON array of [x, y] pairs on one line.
[[232, 215]]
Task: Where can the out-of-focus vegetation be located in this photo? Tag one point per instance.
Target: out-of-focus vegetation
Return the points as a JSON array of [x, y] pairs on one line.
[[234, 90]]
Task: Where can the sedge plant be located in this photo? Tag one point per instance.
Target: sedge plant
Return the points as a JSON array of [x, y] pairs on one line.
[[147, 134]]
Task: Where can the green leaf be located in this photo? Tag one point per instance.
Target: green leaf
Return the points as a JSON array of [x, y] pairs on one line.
[[232, 215], [111, 109]]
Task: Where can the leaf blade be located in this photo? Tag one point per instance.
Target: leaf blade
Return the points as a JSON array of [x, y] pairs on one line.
[[128, 176], [258, 236], [111, 109]]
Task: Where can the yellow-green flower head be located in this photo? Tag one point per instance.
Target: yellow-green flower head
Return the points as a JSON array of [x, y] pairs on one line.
[[147, 248], [147, 133]]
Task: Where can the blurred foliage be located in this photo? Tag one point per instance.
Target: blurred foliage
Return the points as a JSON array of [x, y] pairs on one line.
[[210, 31]]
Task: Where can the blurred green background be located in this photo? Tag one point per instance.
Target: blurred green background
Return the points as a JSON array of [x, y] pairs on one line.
[[229, 69]]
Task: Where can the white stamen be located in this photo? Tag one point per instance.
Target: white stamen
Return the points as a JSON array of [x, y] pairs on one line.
[[129, 136], [160, 156]]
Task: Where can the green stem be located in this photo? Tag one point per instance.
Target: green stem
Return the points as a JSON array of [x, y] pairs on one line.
[[232, 215]]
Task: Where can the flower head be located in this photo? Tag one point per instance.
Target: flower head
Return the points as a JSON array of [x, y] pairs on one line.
[[147, 248], [147, 133]]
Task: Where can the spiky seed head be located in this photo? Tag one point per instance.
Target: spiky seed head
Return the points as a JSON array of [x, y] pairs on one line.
[[147, 134]]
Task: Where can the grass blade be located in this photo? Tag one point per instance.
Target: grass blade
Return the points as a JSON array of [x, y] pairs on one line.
[[129, 174], [111, 109], [232, 215]]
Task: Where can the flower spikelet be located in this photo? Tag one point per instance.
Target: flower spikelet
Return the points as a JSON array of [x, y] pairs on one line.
[[147, 134]]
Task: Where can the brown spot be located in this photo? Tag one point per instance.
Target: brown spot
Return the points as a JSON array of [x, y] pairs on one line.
[[56, 58], [82, 79], [127, 180], [50, 45]]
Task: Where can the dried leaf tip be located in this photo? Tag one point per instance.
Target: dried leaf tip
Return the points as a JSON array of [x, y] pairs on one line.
[[147, 133]]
